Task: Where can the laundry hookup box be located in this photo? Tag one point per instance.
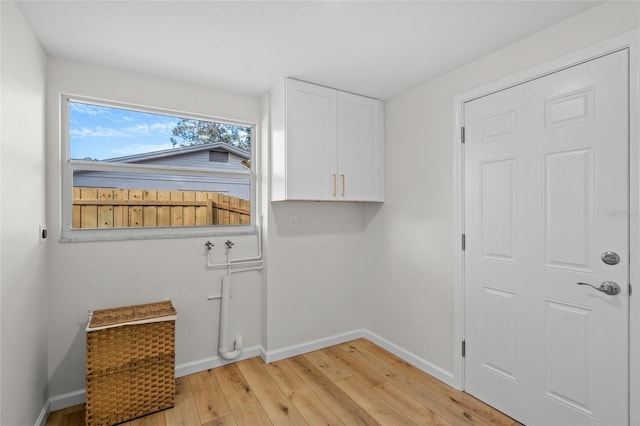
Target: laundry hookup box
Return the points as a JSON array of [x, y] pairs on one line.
[[130, 362]]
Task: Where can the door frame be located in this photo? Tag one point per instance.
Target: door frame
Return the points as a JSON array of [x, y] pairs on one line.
[[630, 41]]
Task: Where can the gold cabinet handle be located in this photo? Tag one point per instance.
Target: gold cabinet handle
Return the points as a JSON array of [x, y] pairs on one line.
[[343, 184], [335, 184]]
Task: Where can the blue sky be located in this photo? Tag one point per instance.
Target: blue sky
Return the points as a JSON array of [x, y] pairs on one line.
[[99, 132]]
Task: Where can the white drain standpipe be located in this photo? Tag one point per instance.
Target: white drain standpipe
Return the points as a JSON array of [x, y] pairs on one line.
[[238, 344], [225, 297]]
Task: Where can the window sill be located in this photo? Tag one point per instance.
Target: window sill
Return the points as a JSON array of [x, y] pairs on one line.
[[98, 235]]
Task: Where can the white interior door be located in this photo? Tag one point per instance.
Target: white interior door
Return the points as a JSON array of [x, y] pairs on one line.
[[546, 194]]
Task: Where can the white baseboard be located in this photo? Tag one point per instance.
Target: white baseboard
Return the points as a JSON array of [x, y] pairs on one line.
[[312, 345], [215, 361], [78, 397], [413, 359], [69, 399], [44, 414]]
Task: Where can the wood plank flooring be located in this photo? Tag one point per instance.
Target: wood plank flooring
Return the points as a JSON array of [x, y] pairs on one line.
[[356, 383]]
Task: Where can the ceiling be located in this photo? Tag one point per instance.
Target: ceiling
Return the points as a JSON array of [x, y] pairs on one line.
[[377, 48]]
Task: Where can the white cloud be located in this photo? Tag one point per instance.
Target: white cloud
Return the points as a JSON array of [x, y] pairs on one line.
[[140, 129], [98, 132], [87, 109], [163, 127]]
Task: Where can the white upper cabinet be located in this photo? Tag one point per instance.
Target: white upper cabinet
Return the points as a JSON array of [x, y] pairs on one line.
[[326, 144], [360, 148]]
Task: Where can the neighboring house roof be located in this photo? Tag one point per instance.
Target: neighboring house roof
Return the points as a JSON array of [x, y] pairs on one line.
[[217, 146], [193, 156]]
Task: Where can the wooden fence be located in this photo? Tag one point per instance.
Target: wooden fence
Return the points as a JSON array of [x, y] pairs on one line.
[[135, 208]]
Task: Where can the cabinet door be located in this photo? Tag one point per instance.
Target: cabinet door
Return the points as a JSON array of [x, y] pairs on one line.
[[311, 142], [359, 148]]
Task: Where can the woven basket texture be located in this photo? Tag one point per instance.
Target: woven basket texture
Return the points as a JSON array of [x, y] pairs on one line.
[[130, 368], [106, 317]]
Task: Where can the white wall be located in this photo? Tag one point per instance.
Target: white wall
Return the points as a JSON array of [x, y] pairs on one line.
[[95, 275], [315, 272], [410, 241], [1, 139], [387, 268], [23, 261]]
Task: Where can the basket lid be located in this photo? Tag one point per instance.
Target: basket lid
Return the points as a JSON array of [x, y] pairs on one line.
[[135, 314]]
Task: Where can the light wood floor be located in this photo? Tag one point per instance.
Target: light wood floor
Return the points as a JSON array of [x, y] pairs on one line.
[[353, 383]]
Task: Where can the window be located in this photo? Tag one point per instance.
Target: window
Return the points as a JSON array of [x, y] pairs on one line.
[[145, 173], [219, 156]]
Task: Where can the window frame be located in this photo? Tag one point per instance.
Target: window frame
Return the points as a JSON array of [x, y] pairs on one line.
[[69, 166]]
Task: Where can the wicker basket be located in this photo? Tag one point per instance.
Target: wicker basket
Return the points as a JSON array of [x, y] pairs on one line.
[[130, 362]]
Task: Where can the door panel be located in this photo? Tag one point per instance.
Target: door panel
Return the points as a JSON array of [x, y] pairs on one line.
[[546, 193], [568, 209], [569, 345], [498, 198], [312, 142], [500, 332], [359, 148]]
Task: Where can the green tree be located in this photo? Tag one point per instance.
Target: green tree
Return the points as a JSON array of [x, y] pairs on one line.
[[196, 132]]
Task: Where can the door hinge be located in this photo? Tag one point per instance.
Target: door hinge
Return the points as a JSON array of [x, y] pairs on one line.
[[630, 289], [464, 241], [462, 134], [464, 348]]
